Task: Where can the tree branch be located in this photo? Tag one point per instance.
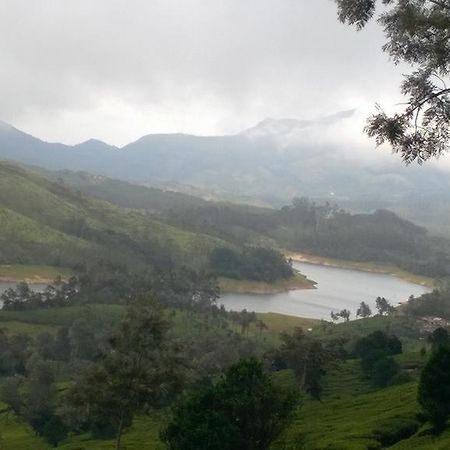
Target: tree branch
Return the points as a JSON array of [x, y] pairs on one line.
[[427, 99], [440, 3]]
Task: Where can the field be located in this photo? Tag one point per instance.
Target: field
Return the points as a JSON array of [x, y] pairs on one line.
[[352, 414]]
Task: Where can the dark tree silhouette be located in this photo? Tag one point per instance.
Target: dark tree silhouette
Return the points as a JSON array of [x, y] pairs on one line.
[[417, 33]]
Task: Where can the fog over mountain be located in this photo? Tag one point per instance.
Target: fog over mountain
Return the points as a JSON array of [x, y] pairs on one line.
[[269, 163]]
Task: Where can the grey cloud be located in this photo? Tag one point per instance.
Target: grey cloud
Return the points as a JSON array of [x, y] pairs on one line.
[[124, 68]]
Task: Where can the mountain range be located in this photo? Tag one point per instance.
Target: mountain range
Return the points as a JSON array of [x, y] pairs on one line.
[[268, 164]]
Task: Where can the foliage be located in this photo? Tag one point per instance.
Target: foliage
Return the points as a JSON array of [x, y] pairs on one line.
[[254, 263], [383, 306], [363, 310], [243, 410], [418, 33], [306, 357], [135, 375], [375, 351], [434, 387]]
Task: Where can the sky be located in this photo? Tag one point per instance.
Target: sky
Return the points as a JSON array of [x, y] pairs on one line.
[[119, 69]]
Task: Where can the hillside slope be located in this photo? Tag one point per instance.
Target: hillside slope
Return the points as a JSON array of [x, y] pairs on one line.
[[46, 223], [269, 164]]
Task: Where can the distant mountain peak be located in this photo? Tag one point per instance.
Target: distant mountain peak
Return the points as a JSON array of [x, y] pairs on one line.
[[95, 143], [280, 127]]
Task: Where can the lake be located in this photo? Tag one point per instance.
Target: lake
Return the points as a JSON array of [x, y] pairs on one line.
[[336, 289]]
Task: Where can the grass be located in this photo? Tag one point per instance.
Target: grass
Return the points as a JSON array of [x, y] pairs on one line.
[[298, 281], [64, 316], [351, 415], [17, 435], [278, 323], [144, 433], [32, 329], [33, 273], [363, 266]]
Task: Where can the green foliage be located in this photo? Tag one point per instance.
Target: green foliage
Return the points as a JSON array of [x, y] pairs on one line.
[[363, 310], [254, 263], [418, 33], [375, 351], [46, 223], [434, 387], [306, 357], [137, 373], [323, 229], [243, 410]]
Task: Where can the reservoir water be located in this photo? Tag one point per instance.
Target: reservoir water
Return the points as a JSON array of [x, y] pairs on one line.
[[336, 289]]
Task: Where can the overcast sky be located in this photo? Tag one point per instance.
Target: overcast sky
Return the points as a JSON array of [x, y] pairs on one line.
[[118, 69]]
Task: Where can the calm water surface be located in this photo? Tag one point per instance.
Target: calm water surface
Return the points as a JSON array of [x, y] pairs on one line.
[[336, 289]]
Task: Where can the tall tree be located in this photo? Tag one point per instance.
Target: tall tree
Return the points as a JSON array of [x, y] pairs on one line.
[[364, 310], [434, 388], [137, 374], [417, 33], [244, 410], [306, 358]]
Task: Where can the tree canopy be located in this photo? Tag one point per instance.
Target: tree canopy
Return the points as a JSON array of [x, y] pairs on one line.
[[417, 33]]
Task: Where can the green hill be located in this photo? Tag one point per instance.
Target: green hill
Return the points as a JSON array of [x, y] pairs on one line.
[[42, 222]]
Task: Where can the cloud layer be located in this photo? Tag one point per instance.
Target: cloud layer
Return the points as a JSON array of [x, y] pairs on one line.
[[116, 69]]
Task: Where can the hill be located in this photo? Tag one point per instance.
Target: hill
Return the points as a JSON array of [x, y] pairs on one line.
[[42, 222], [266, 164], [381, 237]]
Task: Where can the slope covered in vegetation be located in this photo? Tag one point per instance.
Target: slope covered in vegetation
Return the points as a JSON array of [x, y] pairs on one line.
[[45, 223]]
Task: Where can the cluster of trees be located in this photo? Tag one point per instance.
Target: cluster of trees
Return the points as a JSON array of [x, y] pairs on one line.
[[435, 303], [307, 358], [141, 365], [324, 229], [60, 293], [244, 410], [376, 353], [382, 305], [434, 383], [253, 263]]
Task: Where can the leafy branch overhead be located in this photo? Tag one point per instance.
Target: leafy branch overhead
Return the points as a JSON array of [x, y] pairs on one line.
[[417, 33]]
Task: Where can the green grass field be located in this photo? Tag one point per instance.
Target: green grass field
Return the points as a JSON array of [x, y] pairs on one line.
[[277, 323]]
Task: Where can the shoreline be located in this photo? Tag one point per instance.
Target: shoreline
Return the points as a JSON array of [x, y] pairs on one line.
[[370, 267], [33, 280], [298, 281], [32, 273]]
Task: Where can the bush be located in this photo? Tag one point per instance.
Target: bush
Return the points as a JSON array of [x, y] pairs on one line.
[[394, 430]]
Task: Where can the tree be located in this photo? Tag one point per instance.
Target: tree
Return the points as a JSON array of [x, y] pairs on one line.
[[417, 33], [439, 338], [383, 306], [39, 394], [375, 351], [345, 314], [139, 372], [384, 370], [244, 410], [363, 310], [434, 388], [306, 358]]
